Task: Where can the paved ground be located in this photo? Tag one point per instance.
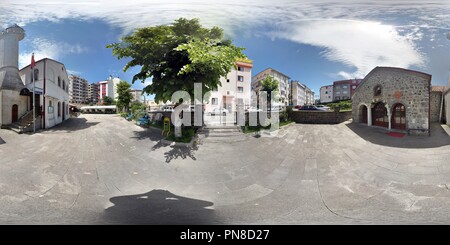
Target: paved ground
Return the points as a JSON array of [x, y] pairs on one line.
[[101, 169]]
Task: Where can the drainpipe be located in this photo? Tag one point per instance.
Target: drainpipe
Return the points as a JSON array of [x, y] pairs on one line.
[[441, 108]]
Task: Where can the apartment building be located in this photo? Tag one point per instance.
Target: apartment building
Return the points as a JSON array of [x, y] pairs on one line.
[[344, 89], [326, 94], [283, 84], [235, 89], [108, 88], [93, 89], [78, 90], [137, 95], [298, 93]]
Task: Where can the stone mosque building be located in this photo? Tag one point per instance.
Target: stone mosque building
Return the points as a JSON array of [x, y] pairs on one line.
[[16, 88], [399, 99]]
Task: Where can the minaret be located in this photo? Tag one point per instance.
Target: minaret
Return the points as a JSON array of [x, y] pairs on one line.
[[9, 58]]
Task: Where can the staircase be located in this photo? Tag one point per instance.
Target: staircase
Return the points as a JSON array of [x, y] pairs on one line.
[[25, 123], [220, 134]]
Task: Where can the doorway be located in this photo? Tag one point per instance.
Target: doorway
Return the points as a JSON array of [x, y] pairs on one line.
[[379, 115], [399, 117], [363, 114], [15, 113]]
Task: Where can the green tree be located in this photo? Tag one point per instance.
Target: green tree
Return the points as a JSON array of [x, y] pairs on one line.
[[108, 100], [269, 84], [137, 109], [178, 55], [124, 95]]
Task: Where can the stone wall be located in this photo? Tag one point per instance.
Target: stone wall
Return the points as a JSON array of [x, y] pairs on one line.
[[320, 117], [435, 106], [410, 88]]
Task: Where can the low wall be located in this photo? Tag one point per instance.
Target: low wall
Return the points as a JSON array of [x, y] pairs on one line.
[[320, 117]]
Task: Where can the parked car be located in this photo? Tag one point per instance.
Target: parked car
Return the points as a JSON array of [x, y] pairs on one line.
[[298, 107], [167, 108], [310, 108], [254, 109], [323, 108], [218, 111]]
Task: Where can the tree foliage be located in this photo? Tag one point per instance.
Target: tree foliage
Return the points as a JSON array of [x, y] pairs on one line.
[[108, 100], [124, 95], [270, 85], [178, 55]]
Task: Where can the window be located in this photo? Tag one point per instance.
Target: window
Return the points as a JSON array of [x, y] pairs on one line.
[[337, 98], [228, 80], [64, 85], [354, 87], [326, 92], [240, 78], [59, 109], [59, 82], [338, 92], [377, 91], [214, 101], [214, 89], [240, 68], [344, 92], [345, 86], [36, 74], [241, 89]]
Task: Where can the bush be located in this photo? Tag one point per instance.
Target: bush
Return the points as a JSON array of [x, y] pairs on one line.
[[343, 105], [187, 134]]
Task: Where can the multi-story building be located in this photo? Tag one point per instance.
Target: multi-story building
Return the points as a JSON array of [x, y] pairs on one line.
[[93, 92], [235, 88], [309, 96], [283, 84], [137, 95], [343, 90], [78, 90], [326, 94], [108, 88], [298, 93], [52, 91]]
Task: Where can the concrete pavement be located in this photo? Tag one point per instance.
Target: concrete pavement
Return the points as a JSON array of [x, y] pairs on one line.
[[102, 169]]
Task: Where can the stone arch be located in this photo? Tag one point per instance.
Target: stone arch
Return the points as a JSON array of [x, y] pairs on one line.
[[380, 114], [363, 113]]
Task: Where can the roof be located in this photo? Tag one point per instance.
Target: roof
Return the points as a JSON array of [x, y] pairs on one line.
[[272, 70], [438, 88], [99, 107], [46, 59], [10, 80], [381, 68]]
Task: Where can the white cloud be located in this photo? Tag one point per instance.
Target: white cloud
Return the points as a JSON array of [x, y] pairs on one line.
[[359, 44], [44, 48]]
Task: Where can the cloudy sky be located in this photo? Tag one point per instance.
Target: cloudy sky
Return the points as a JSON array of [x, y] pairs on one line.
[[314, 41]]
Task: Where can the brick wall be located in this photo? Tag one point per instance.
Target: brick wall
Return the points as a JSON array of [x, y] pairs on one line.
[[320, 117]]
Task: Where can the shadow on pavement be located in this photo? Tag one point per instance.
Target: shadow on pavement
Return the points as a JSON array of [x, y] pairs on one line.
[[72, 124], [159, 207], [175, 151], [2, 141], [380, 136]]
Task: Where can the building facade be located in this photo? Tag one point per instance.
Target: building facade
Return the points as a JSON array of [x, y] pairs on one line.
[[108, 88], [235, 89], [283, 84], [298, 93], [137, 95], [52, 89], [93, 93], [326, 94], [394, 98], [78, 90], [309, 96]]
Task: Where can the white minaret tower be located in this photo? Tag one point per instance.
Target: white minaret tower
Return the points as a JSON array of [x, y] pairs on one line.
[[9, 46], [9, 57]]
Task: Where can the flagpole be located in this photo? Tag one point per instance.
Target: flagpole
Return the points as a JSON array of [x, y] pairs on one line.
[[34, 97]]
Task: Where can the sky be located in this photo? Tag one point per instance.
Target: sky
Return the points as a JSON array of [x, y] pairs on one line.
[[315, 41]]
